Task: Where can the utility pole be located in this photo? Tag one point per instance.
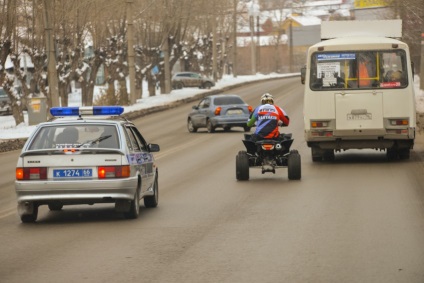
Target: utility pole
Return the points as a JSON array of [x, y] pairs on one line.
[[53, 95], [166, 63], [130, 47], [291, 46], [234, 68], [253, 13], [214, 42], [252, 46], [422, 60], [258, 45]]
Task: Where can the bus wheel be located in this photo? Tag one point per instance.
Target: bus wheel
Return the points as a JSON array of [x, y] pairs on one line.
[[391, 154], [316, 154], [329, 155], [404, 153]]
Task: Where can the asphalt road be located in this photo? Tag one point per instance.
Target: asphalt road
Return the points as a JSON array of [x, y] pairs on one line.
[[357, 219]]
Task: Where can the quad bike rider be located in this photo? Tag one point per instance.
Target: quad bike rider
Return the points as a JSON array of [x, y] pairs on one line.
[[267, 148]]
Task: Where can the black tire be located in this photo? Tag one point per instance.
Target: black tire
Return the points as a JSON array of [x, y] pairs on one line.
[[134, 209], [179, 85], [152, 201], [242, 166], [329, 155], [246, 129], [55, 206], [391, 154], [316, 157], [207, 85], [227, 129], [209, 126], [30, 218], [404, 153], [294, 165], [191, 128]]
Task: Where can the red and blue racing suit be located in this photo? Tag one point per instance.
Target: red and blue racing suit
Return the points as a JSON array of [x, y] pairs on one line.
[[267, 117]]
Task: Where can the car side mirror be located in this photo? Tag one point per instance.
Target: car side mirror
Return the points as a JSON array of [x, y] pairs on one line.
[[153, 147], [195, 107]]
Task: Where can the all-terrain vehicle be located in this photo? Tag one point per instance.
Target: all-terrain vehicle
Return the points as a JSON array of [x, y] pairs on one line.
[[268, 155]]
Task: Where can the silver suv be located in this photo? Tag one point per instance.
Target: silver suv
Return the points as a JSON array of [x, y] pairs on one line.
[[5, 104], [191, 79]]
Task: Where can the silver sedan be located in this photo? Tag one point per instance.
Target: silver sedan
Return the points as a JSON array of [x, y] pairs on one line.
[[86, 160], [219, 111]]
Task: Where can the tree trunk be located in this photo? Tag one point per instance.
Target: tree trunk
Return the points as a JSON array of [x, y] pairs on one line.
[[151, 85], [123, 93]]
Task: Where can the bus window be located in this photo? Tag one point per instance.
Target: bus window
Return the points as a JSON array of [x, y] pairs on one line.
[[365, 69], [394, 69]]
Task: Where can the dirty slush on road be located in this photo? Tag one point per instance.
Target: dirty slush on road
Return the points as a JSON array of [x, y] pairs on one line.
[[11, 144]]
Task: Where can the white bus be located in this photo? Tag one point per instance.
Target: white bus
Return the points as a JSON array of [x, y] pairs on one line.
[[359, 90]]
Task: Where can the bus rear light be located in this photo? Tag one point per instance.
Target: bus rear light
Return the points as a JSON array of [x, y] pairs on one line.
[[31, 173], [399, 122], [104, 172], [319, 124]]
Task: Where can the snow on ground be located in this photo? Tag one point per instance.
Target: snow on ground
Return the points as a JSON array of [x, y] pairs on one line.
[[8, 129]]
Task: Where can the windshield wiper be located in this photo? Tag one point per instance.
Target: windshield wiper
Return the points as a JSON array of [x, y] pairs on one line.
[[91, 142]]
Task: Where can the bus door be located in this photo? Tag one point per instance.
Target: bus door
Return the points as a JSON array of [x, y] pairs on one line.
[[359, 111]]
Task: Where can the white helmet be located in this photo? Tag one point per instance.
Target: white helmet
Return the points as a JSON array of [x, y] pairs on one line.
[[267, 98]]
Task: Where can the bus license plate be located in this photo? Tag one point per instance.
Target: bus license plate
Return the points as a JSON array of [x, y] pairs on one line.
[[367, 116], [72, 173]]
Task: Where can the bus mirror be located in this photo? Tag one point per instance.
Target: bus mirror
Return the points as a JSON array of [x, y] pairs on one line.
[[413, 71], [302, 74]]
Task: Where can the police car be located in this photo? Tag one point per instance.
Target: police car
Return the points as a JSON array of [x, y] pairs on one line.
[[86, 155]]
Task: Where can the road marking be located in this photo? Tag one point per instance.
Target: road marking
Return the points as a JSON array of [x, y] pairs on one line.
[[181, 147], [7, 212]]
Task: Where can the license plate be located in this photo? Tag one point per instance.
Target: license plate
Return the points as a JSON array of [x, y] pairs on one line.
[[367, 116], [72, 173], [234, 112]]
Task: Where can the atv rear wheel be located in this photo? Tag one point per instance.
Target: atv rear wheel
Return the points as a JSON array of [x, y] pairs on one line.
[[294, 166], [242, 166]]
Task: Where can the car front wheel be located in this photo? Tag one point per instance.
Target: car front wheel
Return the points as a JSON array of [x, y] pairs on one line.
[[191, 128], [179, 85], [207, 85], [152, 201]]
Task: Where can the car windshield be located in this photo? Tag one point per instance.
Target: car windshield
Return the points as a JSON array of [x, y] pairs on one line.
[[364, 69], [75, 136], [227, 100]]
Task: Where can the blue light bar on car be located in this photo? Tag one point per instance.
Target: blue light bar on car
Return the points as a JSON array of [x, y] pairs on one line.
[[64, 111], [87, 110]]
